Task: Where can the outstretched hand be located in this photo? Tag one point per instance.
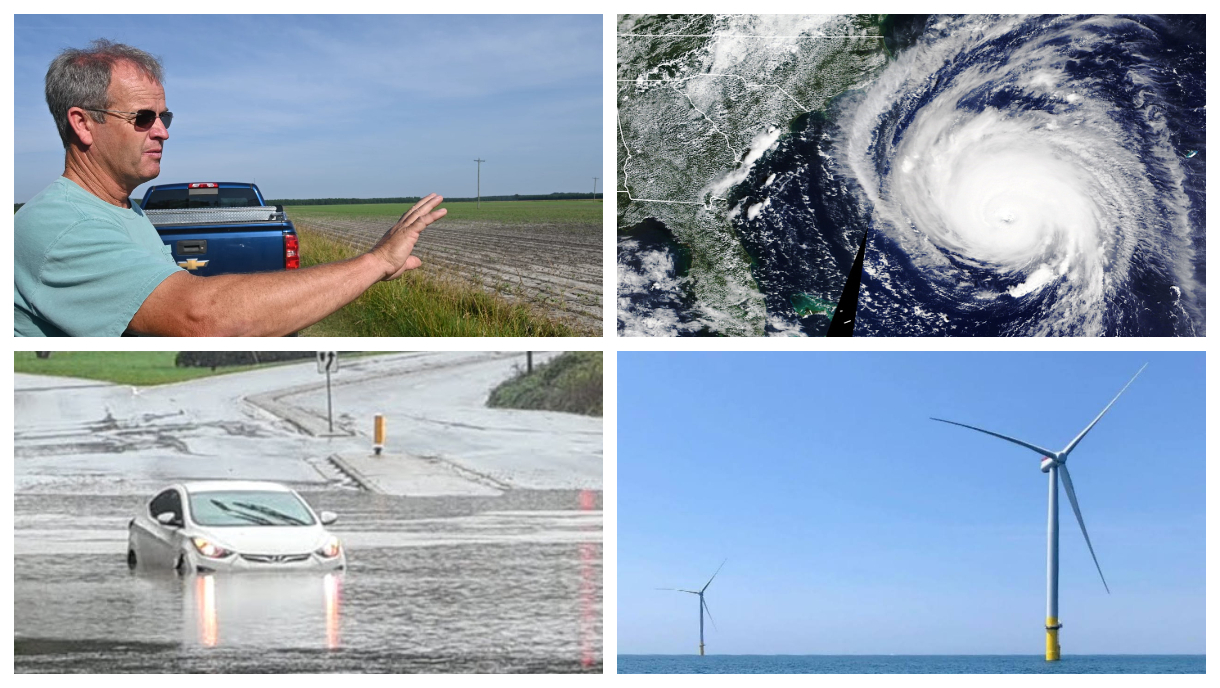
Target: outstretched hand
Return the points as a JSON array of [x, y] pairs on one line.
[[395, 247]]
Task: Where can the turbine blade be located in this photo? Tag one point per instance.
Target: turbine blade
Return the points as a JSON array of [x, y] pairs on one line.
[[1027, 445], [678, 590], [709, 612], [1084, 432], [709, 581], [1071, 493]]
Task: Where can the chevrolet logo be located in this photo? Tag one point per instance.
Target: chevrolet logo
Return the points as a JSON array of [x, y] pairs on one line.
[[192, 264]]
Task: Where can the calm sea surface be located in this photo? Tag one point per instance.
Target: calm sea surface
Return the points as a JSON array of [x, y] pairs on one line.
[[910, 664]]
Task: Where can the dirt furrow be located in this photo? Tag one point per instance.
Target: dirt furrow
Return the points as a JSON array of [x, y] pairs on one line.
[[555, 268]]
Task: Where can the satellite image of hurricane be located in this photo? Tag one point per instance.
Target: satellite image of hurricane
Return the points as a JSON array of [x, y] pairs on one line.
[[992, 175]]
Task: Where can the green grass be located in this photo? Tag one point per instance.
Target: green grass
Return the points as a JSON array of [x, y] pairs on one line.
[[507, 212], [122, 367], [422, 304], [570, 382]]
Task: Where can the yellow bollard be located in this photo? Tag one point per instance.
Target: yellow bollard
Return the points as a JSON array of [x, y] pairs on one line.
[[378, 433]]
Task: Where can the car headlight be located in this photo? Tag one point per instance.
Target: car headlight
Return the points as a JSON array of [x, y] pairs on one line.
[[330, 550], [210, 549]]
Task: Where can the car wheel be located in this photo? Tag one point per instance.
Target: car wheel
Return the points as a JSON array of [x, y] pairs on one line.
[[131, 559]]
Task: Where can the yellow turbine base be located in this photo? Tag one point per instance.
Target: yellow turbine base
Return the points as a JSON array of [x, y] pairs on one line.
[[1052, 639], [700, 649]]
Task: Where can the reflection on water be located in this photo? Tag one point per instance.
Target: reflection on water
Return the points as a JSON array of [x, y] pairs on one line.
[[331, 583], [299, 610], [589, 589], [205, 587]]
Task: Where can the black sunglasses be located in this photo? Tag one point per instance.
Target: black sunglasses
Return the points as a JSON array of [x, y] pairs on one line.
[[143, 118]]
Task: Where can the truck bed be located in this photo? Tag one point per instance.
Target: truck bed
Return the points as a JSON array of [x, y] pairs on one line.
[[214, 216]]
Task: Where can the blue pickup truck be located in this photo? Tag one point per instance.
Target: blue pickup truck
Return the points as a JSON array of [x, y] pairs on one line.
[[215, 228]]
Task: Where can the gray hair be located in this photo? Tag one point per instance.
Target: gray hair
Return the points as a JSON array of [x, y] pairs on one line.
[[81, 78]]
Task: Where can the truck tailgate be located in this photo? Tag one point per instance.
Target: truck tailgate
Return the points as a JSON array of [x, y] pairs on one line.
[[222, 249]]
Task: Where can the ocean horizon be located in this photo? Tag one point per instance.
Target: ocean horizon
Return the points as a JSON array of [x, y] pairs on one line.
[[911, 664]]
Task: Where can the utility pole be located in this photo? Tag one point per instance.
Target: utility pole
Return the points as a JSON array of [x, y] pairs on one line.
[[478, 180]]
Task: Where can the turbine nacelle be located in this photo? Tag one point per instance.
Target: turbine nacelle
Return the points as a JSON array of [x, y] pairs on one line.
[[1048, 463]]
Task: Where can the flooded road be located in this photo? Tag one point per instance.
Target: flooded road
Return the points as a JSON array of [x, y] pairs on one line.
[[508, 583]]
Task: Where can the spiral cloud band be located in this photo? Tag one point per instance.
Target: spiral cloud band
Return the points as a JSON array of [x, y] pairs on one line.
[[1025, 176]]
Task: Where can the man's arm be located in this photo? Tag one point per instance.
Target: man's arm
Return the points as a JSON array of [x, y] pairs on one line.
[[279, 303]]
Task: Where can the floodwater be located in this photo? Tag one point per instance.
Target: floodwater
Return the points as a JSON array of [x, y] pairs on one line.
[[511, 583]]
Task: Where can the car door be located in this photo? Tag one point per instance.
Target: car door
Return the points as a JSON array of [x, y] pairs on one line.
[[162, 541]]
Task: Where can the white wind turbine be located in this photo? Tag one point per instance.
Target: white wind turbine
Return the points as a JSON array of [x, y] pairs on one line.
[[1053, 463], [702, 603]]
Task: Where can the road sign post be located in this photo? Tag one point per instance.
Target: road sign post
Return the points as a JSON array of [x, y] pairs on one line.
[[328, 361]]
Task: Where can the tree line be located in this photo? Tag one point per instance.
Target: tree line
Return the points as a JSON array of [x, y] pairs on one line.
[[412, 199], [409, 199]]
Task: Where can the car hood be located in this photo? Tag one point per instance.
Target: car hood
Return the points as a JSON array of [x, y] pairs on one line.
[[267, 539]]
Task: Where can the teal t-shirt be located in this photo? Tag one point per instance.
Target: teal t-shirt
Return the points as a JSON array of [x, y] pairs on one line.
[[82, 266]]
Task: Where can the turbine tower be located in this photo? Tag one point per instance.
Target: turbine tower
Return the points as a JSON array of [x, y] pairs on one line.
[[1052, 464], [702, 604]]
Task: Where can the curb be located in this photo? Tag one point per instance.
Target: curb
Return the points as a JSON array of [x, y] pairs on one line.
[[302, 420], [315, 425], [356, 476]]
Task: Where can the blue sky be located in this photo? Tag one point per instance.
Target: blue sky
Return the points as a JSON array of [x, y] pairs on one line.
[[347, 106], [853, 524]]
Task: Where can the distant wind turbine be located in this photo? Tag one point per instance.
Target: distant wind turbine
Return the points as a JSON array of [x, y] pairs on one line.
[[702, 603], [1052, 464]]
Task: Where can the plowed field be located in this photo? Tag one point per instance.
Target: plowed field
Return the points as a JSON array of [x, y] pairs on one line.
[[556, 268]]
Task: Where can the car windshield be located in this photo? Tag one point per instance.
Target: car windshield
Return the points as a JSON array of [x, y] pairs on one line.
[[249, 508]]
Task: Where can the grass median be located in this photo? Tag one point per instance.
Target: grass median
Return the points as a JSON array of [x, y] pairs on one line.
[[120, 367], [422, 304], [571, 382]]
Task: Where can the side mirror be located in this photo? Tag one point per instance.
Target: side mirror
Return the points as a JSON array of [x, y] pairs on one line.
[[328, 517], [167, 518]]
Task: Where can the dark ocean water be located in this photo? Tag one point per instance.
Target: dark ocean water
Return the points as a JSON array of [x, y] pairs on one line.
[[910, 664]]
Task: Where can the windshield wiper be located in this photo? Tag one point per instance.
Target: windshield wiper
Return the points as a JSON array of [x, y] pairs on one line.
[[241, 514], [271, 512]]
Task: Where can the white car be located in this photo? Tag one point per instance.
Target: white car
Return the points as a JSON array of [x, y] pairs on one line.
[[232, 525]]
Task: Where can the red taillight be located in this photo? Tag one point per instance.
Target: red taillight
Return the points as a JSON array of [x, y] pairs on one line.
[[292, 252], [203, 185]]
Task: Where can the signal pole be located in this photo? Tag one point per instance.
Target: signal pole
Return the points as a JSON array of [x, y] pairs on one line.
[[478, 180]]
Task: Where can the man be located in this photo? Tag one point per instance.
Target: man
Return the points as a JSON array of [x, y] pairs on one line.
[[87, 261]]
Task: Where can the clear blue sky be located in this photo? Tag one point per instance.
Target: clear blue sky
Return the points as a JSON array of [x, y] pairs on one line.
[[853, 524], [347, 106]]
